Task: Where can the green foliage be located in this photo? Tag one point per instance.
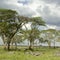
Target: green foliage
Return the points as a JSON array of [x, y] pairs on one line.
[[50, 35], [10, 23], [7, 20], [38, 21]]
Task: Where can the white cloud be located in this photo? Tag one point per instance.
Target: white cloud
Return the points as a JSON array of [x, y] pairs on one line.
[[28, 26], [49, 11], [51, 26]]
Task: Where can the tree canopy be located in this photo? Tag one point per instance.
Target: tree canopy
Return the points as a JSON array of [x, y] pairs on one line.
[[11, 22]]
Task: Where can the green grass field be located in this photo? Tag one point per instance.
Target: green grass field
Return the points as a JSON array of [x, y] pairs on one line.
[[44, 54]]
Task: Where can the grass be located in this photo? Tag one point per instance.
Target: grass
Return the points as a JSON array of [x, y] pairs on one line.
[[46, 54]]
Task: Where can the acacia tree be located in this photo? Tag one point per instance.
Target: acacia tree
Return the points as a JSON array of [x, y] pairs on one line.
[[37, 22], [33, 34], [10, 23], [49, 35], [52, 35], [7, 24]]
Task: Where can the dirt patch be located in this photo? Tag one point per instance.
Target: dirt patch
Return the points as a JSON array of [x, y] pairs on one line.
[[34, 53]]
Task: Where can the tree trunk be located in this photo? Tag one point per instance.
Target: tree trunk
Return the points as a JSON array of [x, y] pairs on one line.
[[11, 45], [5, 45], [30, 47], [8, 47], [4, 41], [15, 45], [8, 44], [54, 43], [49, 43]]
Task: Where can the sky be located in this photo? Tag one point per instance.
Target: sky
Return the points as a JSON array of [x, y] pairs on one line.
[[49, 10]]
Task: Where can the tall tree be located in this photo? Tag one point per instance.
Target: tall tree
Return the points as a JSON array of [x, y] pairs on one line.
[[33, 34], [10, 23], [7, 23]]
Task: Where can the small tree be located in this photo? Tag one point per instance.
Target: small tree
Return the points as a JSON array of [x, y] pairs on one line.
[[50, 35]]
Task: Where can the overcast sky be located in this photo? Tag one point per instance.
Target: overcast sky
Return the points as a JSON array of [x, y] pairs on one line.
[[49, 10]]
